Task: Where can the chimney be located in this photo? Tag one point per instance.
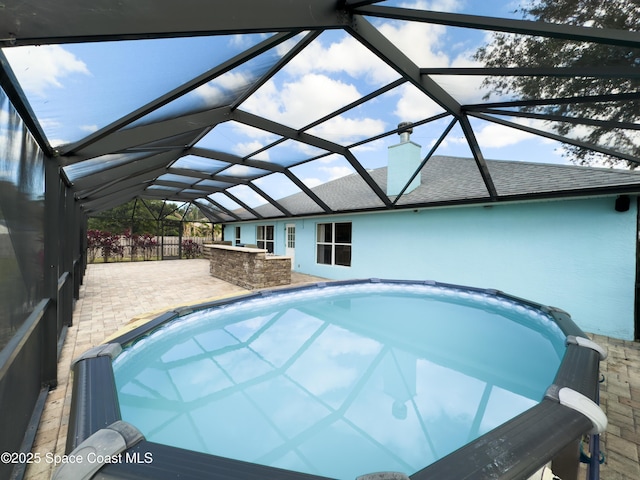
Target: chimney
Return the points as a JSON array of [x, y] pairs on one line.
[[404, 160]]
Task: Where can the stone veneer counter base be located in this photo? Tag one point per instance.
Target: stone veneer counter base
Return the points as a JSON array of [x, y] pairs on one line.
[[246, 267]]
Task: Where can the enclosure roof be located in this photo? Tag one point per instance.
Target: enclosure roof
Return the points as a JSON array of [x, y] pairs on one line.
[[241, 106]]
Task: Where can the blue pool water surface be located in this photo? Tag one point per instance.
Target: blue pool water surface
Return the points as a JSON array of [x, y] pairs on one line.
[[342, 380]]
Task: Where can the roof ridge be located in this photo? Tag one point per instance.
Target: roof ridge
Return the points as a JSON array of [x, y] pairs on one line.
[[544, 164], [570, 166]]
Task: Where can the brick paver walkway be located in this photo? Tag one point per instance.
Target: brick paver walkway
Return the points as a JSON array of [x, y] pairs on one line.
[[620, 399], [114, 294]]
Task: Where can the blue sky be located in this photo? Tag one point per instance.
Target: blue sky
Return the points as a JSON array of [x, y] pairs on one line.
[[76, 89]]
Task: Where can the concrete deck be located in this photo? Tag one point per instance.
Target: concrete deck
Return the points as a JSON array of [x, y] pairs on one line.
[[115, 294]]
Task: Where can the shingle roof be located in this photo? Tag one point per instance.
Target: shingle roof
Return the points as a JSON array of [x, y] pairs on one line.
[[450, 180]]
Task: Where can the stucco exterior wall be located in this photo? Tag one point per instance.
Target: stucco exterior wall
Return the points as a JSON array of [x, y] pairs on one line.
[[578, 255]]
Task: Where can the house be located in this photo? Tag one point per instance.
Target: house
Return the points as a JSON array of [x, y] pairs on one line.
[[564, 236], [115, 124]]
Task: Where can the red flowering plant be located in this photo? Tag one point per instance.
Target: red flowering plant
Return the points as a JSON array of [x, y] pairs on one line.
[[93, 243], [132, 240], [147, 243], [191, 249], [104, 242]]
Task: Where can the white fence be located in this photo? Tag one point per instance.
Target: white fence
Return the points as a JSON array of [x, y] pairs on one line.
[[171, 245]]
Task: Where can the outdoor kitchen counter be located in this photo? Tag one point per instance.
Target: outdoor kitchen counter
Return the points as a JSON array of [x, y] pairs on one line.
[[247, 267]]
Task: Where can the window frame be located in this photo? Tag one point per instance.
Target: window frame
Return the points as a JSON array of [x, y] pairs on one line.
[[262, 237], [332, 243]]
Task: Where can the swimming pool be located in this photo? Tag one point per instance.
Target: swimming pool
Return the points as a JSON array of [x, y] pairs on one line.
[[339, 380]]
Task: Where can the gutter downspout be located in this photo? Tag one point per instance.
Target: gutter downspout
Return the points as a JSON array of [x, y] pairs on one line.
[[636, 313]]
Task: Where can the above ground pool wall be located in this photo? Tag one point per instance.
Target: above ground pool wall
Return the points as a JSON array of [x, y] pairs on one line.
[[514, 450], [575, 254]]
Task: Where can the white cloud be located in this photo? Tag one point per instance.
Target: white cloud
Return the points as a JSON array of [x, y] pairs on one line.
[[421, 42], [89, 128], [426, 45], [492, 135], [301, 102], [56, 142], [39, 68], [265, 102], [414, 105], [234, 80], [329, 173], [237, 171], [336, 172], [312, 182], [247, 195], [376, 146], [435, 5], [465, 89], [349, 130], [345, 56], [313, 89], [253, 133], [498, 136], [277, 185], [245, 148], [222, 88], [316, 95], [49, 124], [330, 159], [244, 41]]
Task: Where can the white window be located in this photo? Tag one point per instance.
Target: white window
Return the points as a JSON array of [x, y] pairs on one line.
[[237, 235], [264, 237], [333, 244]]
